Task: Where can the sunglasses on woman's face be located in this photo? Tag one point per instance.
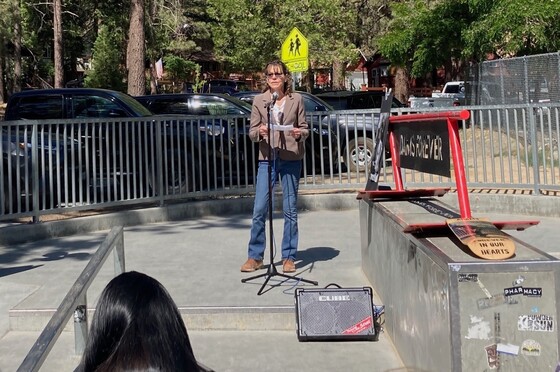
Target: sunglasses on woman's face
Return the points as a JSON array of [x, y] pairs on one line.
[[275, 74]]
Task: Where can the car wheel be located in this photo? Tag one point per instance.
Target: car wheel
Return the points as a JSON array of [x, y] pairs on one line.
[[361, 153]]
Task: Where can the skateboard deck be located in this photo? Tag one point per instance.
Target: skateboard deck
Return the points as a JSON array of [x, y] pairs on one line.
[[483, 238], [401, 194], [437, 227]]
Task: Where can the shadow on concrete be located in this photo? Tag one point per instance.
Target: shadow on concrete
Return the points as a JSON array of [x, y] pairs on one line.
[[17, 269]]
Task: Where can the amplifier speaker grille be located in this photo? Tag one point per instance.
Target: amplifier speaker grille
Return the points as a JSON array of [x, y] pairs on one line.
[[335, 314]]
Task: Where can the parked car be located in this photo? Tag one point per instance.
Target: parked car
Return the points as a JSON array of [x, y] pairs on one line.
[[356, 100], [53, 155], [452, 95], [224, 86], [72, 103], [197, 104], [353, 131], [116, 156], [78, 151], [322, 143], [223, 116]]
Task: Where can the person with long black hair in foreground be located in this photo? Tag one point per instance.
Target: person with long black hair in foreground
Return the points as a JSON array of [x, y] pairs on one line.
[[137, 327]]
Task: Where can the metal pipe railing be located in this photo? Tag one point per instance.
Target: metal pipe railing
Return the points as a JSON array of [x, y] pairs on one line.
[[75, 303], [102, 165]]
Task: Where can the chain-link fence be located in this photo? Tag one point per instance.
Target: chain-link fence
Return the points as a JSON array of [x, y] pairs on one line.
[[520, 80]]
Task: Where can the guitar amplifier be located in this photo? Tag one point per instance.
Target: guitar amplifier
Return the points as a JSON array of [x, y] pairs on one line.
[[335, 314]]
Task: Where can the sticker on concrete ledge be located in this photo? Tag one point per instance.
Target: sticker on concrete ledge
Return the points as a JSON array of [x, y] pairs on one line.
[[507, 349], [535, 323], [520, 279], [479, 329], [530, 348], [496, 300], [492, 356], [464, 278], [529, 292]]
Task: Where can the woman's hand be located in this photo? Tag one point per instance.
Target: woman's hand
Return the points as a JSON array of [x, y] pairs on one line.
[[263, 131], [296, 133]]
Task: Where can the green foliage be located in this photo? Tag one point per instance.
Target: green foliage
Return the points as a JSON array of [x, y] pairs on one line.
[[244, 33], [78, 31], [424, 35], [179, 69], [108, 71], [6, 19], [513, 28], [420, 35], [198, 82], [248, 34], [173, 28], [372, 18]]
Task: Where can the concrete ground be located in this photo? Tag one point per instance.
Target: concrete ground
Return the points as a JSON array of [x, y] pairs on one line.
[[198, 260]]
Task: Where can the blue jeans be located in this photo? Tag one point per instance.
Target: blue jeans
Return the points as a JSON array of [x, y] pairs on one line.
[[289, 172]]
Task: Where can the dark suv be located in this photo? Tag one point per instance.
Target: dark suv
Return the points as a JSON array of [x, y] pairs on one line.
[[224, 86], [356, 100], [198, 104], [234, 115], [80, 145], [72, 103]]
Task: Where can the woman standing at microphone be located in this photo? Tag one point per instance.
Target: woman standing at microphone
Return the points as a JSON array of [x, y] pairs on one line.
[[285, 150]]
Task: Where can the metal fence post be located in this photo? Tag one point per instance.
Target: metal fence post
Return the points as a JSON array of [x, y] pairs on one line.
[[80, 326], [526, 81], [35, 172], [159, 161], [534, 152], [118, 254]]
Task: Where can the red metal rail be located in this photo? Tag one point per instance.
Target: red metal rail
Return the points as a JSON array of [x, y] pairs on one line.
[[452, 118], [456, 153]]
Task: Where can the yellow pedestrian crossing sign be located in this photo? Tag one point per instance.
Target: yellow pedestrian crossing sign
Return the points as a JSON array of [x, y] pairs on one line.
[[295, 51], [295, 46]]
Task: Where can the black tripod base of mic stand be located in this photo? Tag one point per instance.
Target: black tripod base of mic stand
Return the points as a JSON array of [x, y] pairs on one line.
[[272, 271]]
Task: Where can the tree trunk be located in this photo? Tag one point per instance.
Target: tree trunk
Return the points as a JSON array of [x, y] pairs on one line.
[[136, 51], [2, 61], [402, 84], [153, 77], [338, 75], [58, 56], [17, 49]]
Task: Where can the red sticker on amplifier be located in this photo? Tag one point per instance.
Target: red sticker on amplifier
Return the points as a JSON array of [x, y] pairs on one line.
[[359, 327]]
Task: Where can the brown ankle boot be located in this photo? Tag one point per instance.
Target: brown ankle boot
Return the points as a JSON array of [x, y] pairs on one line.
[[251, 265], [289, 266]]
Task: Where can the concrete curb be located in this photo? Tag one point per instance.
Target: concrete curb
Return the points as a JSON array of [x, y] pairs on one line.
[[17, 234], [546, 206], [201, 318]]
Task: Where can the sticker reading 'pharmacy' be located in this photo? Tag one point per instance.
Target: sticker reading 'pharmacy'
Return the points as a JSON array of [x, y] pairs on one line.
[[525, 291]]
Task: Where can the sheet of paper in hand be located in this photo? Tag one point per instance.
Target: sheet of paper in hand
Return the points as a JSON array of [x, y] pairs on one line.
[[483, 238]]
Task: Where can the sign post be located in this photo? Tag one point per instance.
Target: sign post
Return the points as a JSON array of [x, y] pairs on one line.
[[295, 51]]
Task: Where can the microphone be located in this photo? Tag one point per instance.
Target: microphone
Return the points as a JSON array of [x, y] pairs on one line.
[[273, 101]]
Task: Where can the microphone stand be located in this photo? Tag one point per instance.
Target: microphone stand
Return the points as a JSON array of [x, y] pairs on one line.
[[272, 271]]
